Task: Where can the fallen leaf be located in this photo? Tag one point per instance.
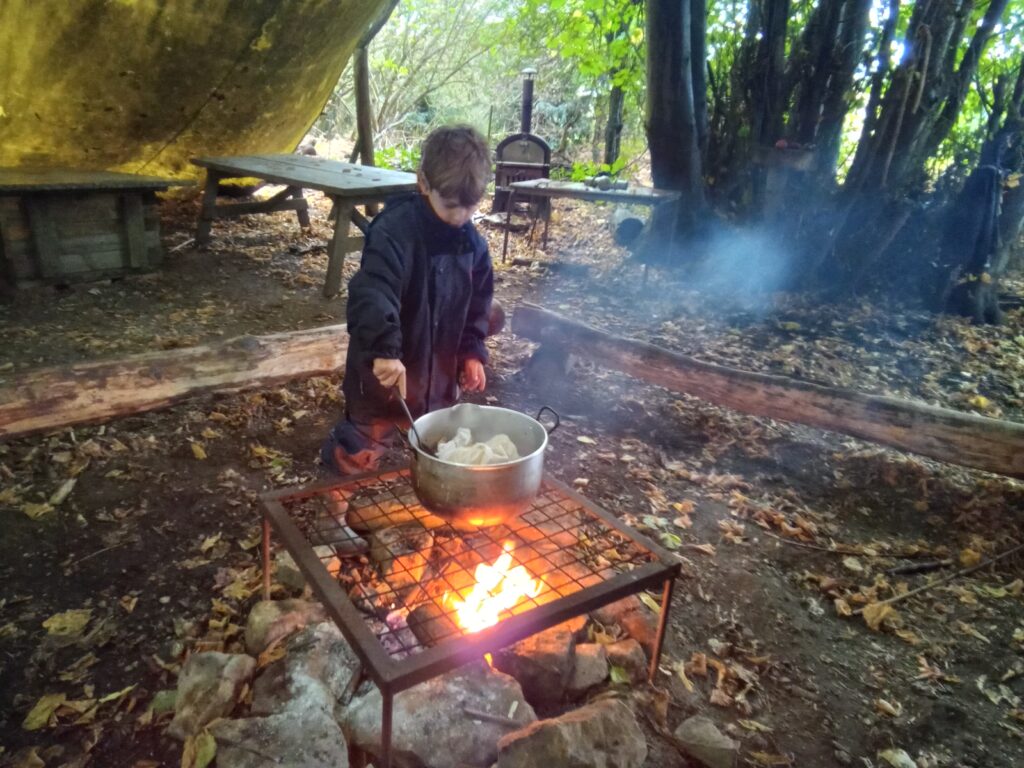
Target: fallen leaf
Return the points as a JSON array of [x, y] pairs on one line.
[[44, 709], [720, 698], [897, 758], [128, 603], [68, 623], [199, 751], [1016, 588], [687, 507], [198, 451], [707, 549], [35, 511], [650, 602], [842, 607], [764, 758], [753, 725], [680, 668], [670, 540], [209, 542], [63, 492], [618, 675], [853, 564], [117, 694], [875, 613], [886, 708], [969, 557], [586, 440], [908, 636]]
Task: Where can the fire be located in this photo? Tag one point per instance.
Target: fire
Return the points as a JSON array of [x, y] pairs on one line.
[[498, 588]]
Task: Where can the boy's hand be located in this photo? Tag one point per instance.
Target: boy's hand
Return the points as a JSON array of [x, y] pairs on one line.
[[473, 378], [389, 372]]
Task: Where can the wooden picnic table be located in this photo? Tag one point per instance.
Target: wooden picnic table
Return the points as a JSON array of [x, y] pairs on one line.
[[632, 195], [60, 225], [346, 184]]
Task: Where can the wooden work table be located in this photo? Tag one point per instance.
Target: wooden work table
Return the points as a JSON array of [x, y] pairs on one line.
[[347, 186], [632, 195]]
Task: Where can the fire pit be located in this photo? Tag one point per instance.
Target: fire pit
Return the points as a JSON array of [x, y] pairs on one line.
[[435, 598]]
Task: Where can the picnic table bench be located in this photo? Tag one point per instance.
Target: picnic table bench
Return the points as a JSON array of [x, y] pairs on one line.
[[63, 225], [632, 195], [346, 184]]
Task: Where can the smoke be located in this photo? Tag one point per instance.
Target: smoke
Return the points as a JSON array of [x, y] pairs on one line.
[[746, 264]]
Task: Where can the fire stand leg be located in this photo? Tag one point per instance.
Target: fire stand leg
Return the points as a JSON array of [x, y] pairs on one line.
[[666, 604], [266, 558], [385, 730], [510, 201]]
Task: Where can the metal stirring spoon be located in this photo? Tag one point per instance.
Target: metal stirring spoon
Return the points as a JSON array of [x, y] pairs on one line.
[[412, 424]]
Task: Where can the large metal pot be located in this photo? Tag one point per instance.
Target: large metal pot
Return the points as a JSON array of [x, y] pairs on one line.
[[471, 497]]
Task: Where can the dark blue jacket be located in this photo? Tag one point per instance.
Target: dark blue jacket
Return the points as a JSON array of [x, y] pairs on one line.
[[422, 295]]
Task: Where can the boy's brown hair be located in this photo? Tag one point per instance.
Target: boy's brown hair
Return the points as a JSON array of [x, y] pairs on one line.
[[456, 163]]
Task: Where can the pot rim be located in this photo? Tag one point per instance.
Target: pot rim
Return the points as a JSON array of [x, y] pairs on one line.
[[419, 452]]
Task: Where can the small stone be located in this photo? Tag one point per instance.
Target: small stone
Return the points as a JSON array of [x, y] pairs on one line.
[[402, 553], [698, 737], [325, 554], [164, 600]]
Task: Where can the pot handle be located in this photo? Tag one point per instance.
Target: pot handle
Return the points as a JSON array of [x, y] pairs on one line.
[[554, 413]]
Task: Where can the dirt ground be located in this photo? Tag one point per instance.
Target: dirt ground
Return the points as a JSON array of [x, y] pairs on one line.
[[134, 547]]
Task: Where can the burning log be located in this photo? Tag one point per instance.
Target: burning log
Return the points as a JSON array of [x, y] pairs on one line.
[[430, 624], [88, 392], [939, 433]]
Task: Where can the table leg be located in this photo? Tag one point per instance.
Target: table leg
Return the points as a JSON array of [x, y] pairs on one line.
[[338, 247], [207, 211], [508, 222], [302, 212]]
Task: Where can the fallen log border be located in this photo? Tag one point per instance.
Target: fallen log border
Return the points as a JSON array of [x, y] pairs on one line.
[[63, 396], [966, 439]]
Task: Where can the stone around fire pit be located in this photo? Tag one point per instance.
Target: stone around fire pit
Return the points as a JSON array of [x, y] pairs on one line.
[[208, 687], [369, 519], [431, 727], [542, 663], [296, 740], [604, 734], [589, 670], [634, 618], [314, 674], [272, 620], [628, 656]]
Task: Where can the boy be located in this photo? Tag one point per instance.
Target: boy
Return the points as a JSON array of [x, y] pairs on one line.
[[418, 308]]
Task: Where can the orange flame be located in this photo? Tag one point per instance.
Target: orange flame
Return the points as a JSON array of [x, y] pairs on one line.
[[498, 588]]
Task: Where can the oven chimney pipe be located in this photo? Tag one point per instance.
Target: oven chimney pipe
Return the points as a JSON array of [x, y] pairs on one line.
[[527, 114]]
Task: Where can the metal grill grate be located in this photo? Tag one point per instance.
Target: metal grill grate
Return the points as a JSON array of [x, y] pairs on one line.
[[582, 556], [561, 543]]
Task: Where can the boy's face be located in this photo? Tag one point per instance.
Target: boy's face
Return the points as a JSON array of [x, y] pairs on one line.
[[449, 210]]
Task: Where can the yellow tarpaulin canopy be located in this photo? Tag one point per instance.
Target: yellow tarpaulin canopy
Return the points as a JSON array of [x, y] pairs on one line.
[[141, 86]]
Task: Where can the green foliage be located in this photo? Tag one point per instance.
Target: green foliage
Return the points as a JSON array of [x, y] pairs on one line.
[[585, 170], [398, 158]]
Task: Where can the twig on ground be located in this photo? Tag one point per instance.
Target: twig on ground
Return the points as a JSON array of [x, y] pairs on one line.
[[476, 714], [944, 579], [848, 550], [94, 554]]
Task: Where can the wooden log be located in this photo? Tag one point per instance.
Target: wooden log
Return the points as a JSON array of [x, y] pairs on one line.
[[88, 392], [939, 433], [431, 625]]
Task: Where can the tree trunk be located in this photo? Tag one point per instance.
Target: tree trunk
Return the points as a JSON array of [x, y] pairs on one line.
[[671, 118], [939, 433], [87, 392], [613, 126], [698, 60]]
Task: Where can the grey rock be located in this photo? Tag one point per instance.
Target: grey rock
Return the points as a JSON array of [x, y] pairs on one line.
[[589, 670], [604, 734], [208, 687], [628, 655], [314, 674], [288, 740], [698, 737], [286, 572], [271, 621], [542, 664], [431, 727]]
